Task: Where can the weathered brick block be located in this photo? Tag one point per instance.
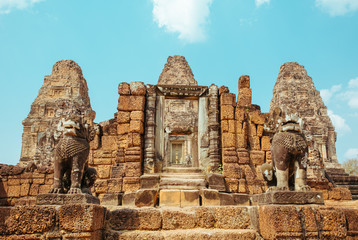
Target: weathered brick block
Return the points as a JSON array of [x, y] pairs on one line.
[[189, 198], [25, 189], [226, 112], [135, 219], [228, 140], [210, 197], [272, 225], [132, 169], [34, 189], [133, 158], [131, 103], [257, 157], [232, 217], [109, 142], [240, 114], [224, 126], [227, 99], [137, 88], [146, 198], [333, 223], [265, 143], [173, 219], [244, 82], [118, 170], [232, 126], [22, 219], [103, 171], [252, 129], [243, 186], [14, 191], [114, 185], [81, 217], [101, 186], [352, 221], [257, 117], [241, 140], [232, 170], [169, 198], [136, 126], [244, 97], [123, 117], [232, 184], [223, 89], [137, 115], [123, 128], [103, 161], [204, 217], [124, 89], [131, 184], [230, 159], [254, 142]]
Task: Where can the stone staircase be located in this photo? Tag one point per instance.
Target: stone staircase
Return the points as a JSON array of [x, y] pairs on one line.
[[343, 179], [215, 223], [182, 178]]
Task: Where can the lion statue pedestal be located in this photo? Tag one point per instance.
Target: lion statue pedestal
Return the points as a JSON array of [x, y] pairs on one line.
[[73, 178]]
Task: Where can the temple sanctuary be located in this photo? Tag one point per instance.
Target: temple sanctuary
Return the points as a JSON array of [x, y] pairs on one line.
[[178, 161]]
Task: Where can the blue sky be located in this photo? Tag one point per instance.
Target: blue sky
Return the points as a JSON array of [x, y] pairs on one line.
[[123, 40]]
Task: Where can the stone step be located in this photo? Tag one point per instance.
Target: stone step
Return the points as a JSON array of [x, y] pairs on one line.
[[198, 233], [182, 170], [181, 183], [183, 175]]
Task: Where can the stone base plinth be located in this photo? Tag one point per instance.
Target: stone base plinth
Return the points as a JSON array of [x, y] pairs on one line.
[[61, 199], [288, 197]]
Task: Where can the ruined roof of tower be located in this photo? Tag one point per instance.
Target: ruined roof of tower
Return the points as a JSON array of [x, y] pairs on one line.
[[177, 72]]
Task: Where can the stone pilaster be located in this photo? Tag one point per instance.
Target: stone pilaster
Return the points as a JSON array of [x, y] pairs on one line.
[[149, 134], [214, 140]]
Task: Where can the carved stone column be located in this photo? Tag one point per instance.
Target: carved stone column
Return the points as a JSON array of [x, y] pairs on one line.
[[149, 135], [214, 142]]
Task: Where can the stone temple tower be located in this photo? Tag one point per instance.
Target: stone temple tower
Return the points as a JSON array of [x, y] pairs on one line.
[[294, 89], [64, 93]]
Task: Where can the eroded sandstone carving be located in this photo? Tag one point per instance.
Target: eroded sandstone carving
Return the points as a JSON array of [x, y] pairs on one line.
[[63, 94], [289, 153], [294, 89], [177, 72], [71, 158]]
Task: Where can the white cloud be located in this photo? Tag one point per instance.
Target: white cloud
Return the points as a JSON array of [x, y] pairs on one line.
[[351, 153], [353, 101], [353, 83], [337, 7], [186, 17], [260, 2], [339, 123], [7, 5], [327, 94]]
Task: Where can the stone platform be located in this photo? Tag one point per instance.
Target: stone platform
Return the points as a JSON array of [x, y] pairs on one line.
[[61, 199], [288, 197]]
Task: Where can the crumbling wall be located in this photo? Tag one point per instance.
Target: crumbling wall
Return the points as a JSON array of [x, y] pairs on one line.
[[244, 147], [117, 155]]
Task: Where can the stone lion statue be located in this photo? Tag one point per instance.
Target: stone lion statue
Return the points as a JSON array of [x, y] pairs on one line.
[[72, 174], [289, 152]]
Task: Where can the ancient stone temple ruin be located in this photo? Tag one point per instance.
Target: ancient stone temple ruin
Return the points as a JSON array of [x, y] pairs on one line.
[[178, 161]]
